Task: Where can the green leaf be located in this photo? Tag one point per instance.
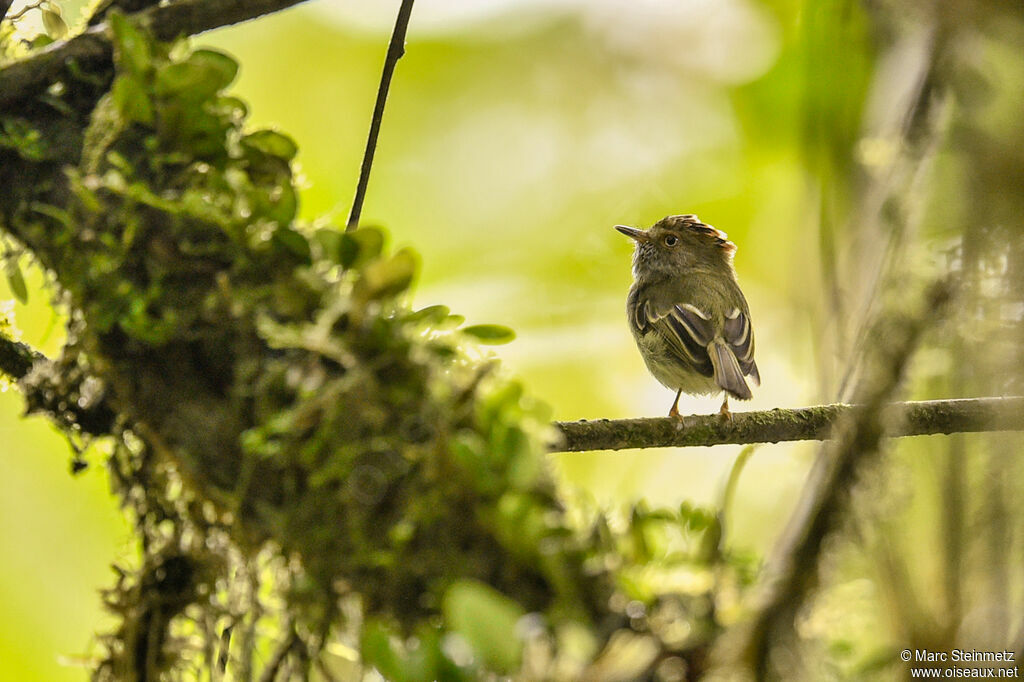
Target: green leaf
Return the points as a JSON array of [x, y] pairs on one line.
[[15, 280], [377, 650], [389, 277], [19, 135], [279, 203], [54, 23], [132, 100], [360, 247], [55, 212], [132, 51], [41, 41], [433, 314], [184, 79], [427, 661], [493, 334], [330, 240], [709, 548], [487, 620], [202, 75], [222, 68], [233, 106], [294, 242], [273, 143]]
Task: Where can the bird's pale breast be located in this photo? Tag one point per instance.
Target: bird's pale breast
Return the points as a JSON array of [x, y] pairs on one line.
[[668, 370]]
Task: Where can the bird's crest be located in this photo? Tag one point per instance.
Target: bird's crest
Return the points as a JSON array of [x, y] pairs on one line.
[[691, 222]]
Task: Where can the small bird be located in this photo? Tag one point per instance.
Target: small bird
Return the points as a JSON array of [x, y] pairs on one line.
[[687, 313]]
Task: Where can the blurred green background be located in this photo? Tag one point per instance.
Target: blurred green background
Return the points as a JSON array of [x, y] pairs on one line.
[[517, 134]]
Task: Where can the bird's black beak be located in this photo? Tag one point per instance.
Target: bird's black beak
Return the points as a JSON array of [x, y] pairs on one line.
[[633, 233]]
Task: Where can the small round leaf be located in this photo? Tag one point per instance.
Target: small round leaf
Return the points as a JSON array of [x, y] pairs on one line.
[[273, 143], [132, 51], [54, 24], [494, 334], [360, 247], [389, 277], [293, 242], [377, 650], [330, 240], [16, 281], [487, 619], [131, 100], [432, 314], [222, 68]]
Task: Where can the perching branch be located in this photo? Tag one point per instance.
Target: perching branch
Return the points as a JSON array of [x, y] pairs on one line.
[[396, 48], [919, 418], [188, 17], [916, 418]]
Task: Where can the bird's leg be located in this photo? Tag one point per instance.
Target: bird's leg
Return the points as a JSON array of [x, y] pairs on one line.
[[723, 411], [674, 412]]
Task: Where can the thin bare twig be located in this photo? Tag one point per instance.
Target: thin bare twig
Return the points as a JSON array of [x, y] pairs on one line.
[[5, 7], [396, 48]]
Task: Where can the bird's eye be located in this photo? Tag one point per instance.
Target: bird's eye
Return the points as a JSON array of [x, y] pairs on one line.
[[670, 240]]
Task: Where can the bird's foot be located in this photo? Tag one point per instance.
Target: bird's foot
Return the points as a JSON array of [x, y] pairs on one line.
[[674, 412], [724, 412]]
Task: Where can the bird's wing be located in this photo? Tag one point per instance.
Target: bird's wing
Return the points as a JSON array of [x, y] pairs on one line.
[[690, 333], [687, 330], [739, 336]]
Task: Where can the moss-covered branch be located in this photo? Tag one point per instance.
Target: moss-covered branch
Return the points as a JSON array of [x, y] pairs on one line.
[[16, 358], [917, 418], [35, 73], [79, 405], [911, 418]]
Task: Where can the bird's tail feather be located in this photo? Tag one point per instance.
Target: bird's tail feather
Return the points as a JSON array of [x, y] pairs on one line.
[[727, 371]]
